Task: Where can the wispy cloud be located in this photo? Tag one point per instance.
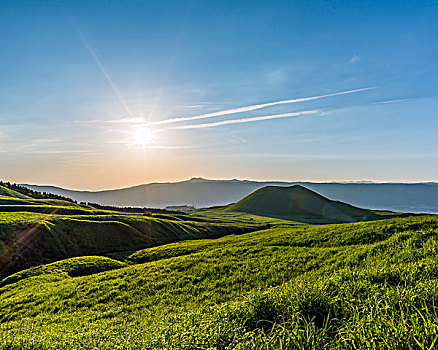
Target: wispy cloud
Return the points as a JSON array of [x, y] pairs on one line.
[[152, 146], [255, 107], [200, 105], [357, 157], [134, 120], [393, 101], [37, 143], [129, 120], [172, 147], [246, 120], [138, 120], [354, 59], [63, 152], [89, 121]]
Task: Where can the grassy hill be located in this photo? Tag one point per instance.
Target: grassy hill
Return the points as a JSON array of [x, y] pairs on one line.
[[36, 231], [32, 201], [345, 286], [299, 204], [236, 277], [28, 239], [6, 192]]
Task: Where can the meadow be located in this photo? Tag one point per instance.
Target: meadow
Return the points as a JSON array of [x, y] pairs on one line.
[[344, 286]]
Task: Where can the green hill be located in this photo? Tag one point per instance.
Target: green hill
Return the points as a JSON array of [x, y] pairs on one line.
[[218, 278], [368, 285], [74, 267], [300, 204], [31, 201], [6, 192], [28, 239], [37, 230]]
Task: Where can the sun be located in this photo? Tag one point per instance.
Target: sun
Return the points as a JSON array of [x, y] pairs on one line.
[[142, 136]]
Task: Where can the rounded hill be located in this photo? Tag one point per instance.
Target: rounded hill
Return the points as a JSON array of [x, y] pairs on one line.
[[299, 204]]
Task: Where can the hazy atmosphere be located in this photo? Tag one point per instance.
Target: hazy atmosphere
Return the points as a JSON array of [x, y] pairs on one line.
[[218, 175], [98, 95]]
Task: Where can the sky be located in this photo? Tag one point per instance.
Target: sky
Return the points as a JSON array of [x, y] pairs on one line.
[[108, 94]]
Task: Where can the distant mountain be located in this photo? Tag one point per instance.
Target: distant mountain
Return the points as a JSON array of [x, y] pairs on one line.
[[199, 192], [299, 204]]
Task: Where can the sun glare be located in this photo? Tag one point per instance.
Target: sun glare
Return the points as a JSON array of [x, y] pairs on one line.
[[142, 136]]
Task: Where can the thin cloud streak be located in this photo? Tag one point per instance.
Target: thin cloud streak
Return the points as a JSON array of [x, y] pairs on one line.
[[133, 120], [246, 120], [255, 107], [393, 101], [357, 157], [67, 151]]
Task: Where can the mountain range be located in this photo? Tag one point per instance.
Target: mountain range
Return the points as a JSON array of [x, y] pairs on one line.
[[200, 192]]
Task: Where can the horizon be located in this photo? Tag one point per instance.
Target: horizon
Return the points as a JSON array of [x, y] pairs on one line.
[[363, 182], [99, 95]]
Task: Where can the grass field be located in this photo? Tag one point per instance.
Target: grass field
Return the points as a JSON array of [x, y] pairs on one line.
[[42, 230], [77, 277], [27, 239], [345, 286]]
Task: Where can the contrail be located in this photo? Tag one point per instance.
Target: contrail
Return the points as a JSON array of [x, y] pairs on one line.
[[394, 101], [107, 76], [254, 107], [246, 120]]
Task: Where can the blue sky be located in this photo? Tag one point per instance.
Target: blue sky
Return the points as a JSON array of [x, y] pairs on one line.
[[90, 90]]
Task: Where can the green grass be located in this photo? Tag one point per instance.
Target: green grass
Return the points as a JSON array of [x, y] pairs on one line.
[[300, 204], [348, 286], [32, 238], [6, 192], [73, 267], [23, 200], [219, 214]]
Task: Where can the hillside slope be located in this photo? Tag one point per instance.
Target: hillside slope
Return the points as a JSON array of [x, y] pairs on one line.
[[28, 239], [13, 200], [299, 204], [349, 286], [6, 192], [40, 230]]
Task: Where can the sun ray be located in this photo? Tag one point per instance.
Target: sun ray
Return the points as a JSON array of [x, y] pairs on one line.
[[107, 76]]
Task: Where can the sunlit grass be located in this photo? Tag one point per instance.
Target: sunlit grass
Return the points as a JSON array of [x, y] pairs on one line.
[[349, 286]]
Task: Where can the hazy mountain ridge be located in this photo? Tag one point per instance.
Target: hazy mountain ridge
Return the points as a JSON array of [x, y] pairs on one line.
[[199, 192]]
